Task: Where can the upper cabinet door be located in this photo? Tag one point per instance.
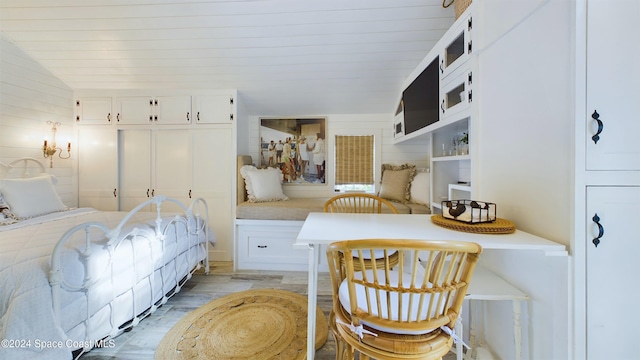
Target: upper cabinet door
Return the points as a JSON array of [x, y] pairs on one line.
[[134, 110], [613, 95], [458, 45], [213, 109], [93, 111], [173, 110]]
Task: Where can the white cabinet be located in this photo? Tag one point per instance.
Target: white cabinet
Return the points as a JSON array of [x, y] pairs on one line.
[[613, 245], [457, 45], [613, 98], [98, 168], [154, 162], [213, 109], [144, 110], [93, 110], [611, 239], [134, 161]]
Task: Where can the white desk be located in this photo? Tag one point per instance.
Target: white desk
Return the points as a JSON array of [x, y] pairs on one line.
[[325, 228]]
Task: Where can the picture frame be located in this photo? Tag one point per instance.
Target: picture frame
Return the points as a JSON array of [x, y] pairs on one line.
[[297, 146]]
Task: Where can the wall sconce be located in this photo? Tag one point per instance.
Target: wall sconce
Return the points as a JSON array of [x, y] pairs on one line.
[[49, 150]]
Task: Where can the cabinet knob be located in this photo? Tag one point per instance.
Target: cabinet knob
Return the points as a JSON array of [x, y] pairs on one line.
[[187, 116], [596, 220], [442, 106], [147, 192], [115, 192], [118, 117], [189, 193], [198, 116], [109, 117], [442, 66], [595, 116], [262, 246]]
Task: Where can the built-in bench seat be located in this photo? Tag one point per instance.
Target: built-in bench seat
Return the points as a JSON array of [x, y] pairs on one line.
[[265, 231]]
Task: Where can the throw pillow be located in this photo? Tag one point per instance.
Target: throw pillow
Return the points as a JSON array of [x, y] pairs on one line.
[[263, 184], [420, 189], [396, 182]]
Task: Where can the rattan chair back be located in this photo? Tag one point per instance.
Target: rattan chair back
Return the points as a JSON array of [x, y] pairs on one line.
[[359, 203], [398, 313]]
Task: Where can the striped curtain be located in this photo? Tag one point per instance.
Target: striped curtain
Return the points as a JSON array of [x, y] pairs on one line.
[[354, 159]]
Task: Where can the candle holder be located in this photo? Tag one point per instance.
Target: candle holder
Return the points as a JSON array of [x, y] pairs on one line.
[[50, 150]]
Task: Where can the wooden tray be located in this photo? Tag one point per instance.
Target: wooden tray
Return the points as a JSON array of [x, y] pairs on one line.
[[500, 226]]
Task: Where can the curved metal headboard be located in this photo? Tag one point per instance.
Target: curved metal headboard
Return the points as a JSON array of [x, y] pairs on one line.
[[26, 167]]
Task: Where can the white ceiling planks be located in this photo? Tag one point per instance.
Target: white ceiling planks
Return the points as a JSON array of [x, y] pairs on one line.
[[286, 57]]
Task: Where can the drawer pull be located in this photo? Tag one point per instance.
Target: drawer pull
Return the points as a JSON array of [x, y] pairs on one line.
[[262, 246]]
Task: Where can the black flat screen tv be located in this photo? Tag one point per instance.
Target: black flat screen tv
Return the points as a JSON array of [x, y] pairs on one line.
[[421, 99]]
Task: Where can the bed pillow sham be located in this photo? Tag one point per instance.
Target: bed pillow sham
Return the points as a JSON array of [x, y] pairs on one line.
[[31, 197]]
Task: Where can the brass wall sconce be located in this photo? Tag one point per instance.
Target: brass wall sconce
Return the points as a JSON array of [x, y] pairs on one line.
[[49, 150]]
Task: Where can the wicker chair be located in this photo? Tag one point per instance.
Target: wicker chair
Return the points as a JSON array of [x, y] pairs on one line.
[[398, 314], [362, 203], [358, 203]]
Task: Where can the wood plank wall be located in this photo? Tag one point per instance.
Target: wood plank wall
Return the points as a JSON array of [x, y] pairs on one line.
[[30, 95]]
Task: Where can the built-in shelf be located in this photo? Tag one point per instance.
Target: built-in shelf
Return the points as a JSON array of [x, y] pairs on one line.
[[451, 158]]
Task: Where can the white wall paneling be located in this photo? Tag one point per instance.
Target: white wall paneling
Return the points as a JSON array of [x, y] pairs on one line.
[[31, 95]]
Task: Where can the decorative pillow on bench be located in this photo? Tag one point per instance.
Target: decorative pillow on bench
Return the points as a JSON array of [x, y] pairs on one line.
[[263, 184], [396, 182]]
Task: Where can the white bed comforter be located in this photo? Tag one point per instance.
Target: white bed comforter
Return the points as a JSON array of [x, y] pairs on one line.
[[27, 325]]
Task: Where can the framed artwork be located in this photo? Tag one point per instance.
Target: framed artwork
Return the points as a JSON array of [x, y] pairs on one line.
[[296, 146]]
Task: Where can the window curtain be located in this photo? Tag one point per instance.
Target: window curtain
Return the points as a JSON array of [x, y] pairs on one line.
[[354, 159]]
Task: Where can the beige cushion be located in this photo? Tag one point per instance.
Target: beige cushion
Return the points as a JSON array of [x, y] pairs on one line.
[[292, 209], [420, 189], [396, 182]]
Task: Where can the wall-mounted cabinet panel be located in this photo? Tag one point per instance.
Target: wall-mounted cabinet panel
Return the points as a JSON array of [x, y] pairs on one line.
[[94, 111], [457, 46], [213, 109], [162, 110]]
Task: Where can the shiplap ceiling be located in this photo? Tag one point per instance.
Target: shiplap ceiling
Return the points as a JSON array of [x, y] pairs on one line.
[[285, 57]]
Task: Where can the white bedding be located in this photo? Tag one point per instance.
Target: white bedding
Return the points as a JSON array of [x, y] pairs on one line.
[[144, 273]]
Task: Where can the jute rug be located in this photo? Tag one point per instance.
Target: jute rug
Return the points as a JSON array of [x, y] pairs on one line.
[[253, 324]]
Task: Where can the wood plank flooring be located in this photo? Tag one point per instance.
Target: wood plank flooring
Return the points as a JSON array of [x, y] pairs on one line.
[[140, 343]]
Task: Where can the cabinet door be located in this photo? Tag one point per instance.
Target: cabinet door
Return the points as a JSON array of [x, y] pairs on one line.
[[134, 110], [457, 46], [213, 109], [98, 168], [174, 110], [612, 272], [134, 157], [456, 94], [172, 165], [613, 91], [93, 111], [213, 180]]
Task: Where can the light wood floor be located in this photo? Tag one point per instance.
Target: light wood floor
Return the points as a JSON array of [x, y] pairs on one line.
[[140, 343]]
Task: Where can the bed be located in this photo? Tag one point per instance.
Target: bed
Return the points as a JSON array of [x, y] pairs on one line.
[[73, 279]]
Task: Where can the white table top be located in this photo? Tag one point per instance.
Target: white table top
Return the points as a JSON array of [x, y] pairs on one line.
[[324, 228]]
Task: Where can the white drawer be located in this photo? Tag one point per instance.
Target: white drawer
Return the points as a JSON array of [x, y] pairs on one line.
[[268, 245]]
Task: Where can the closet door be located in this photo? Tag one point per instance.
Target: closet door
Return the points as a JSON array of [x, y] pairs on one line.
[[214, 180], [613, 245], [612, 89], [134, 158], [98, 167], [172, 165]]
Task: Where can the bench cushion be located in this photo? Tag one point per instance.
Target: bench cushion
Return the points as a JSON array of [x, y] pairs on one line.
[[292, 209]]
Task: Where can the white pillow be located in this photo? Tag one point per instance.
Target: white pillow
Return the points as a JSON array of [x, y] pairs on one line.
[[263, 184], [32, 196], [420, 189]]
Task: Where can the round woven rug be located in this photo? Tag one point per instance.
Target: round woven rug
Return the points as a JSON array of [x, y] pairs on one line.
[[252, 324]]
